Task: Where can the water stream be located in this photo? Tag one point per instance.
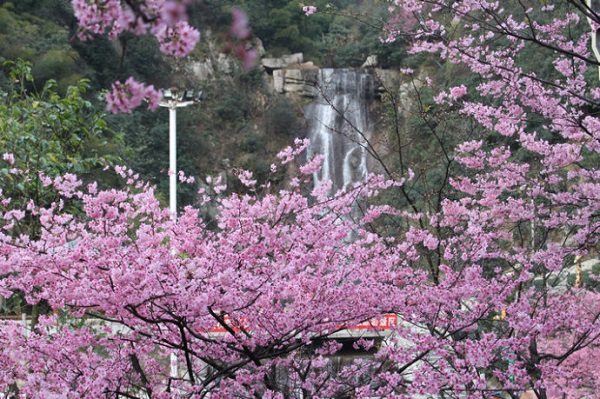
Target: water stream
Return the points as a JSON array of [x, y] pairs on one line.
[[339, 125]]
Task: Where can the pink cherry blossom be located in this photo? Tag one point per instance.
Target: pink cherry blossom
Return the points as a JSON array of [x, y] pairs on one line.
[[10, 158], [308, 10], [164, 19], [458, 92], [178, 40], [124, 97], [239, 27]]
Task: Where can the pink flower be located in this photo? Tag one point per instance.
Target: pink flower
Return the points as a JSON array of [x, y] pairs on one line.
[[8, 158], [172, 12], [312, 166], [179, 40], [240, 28], [124, 97], [246, 178], [250, 59], [248, 56], [308, 10], [458, 92], [152, 96]]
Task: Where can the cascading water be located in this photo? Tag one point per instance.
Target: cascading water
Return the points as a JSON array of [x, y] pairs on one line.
[[339, 125]]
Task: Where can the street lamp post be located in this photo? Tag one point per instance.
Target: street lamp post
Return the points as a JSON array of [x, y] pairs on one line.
[[173, 99]]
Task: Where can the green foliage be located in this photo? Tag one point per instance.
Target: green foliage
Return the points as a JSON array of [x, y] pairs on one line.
[[250, 143], [102, 57], [58, 11], [60, 65], [283, 27], [41, 41], [144, 59], [51, 134], [355, 32], [232, 106], [281, 118]]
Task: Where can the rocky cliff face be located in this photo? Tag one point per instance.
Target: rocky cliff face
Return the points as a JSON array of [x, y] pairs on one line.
[[292, 75]]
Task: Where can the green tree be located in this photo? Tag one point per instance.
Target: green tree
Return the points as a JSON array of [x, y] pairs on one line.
[[41, 41], [51, 134]]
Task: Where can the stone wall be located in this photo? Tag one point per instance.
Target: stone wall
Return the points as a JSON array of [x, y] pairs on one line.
[[290, 74]]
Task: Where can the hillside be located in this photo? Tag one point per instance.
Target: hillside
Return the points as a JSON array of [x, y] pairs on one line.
[[242, 123]]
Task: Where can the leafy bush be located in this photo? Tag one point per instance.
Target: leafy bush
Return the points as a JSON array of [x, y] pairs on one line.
[[250, 143], [281, 117], [232, 106]]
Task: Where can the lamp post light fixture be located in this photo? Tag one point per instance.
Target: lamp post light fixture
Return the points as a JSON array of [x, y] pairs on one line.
[[174, 98]]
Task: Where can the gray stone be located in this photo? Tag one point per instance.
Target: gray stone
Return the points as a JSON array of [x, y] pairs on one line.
[[371, 62], [224, 63], [257, 45], [388, 78], [283, 62], [296, 58], [203, 71], [273, 63], [278, 80], [300, 81]]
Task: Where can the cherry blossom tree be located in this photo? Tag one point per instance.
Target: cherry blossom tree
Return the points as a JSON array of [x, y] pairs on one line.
[[244, 306], [470, 300], [166, 20], [528, 197]]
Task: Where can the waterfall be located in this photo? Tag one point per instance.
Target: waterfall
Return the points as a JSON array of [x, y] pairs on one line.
[[339, 125]]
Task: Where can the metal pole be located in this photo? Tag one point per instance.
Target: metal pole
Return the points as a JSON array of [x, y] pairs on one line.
[[173, 160], [172, 99], [173, 194]]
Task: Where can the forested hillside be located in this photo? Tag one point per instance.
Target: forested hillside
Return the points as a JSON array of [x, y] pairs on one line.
[[240, 124]]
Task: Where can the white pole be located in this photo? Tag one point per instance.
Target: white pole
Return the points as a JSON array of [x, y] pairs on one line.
[[173, 160], [172, 101], [173, 194]]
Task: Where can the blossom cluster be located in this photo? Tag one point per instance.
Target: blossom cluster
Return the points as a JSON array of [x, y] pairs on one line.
[[240, 34], [529, 178], [125, 97], [165, 19], [308, 10]]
